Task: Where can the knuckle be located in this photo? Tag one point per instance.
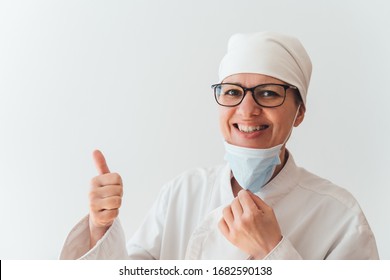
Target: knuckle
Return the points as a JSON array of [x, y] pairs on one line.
[[112, 202], [115, 213], [93, 193], [240, 223], [226, 210], [95, 182], [247, 219], [118, 190], [116, 201], [116, 177], [93, 206]]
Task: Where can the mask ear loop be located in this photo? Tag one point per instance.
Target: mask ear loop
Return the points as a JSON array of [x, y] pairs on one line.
[[292, 126]]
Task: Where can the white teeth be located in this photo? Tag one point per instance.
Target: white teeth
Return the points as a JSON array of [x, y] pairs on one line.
[[249, 129]]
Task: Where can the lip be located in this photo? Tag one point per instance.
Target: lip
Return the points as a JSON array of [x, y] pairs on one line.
[[252, 134]]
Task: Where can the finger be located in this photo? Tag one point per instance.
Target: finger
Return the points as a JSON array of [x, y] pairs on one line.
[[259, 202], [236, 208], [100, 162], [106, 179], [228, 216], [111, 203], [108, 203], [246, 201], [223, 227], [106, 191], [106, 217]]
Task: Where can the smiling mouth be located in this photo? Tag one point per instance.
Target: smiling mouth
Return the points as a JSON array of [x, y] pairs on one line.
[[250, 129]]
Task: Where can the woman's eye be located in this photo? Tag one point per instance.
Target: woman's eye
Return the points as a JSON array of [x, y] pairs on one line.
[[268, 93], [232, 92]]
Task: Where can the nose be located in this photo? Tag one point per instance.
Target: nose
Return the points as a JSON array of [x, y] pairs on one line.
[[248, 107]]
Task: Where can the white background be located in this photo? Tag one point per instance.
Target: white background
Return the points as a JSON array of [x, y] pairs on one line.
[[132, 78]]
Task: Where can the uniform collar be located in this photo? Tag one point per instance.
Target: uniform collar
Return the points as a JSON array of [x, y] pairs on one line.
[[273, 191], [282, 184]]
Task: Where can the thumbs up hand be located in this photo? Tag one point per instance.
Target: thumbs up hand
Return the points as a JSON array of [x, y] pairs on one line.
[[105, 199]]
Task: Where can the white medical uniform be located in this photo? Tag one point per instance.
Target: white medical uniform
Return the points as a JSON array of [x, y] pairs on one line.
[[318, 220]]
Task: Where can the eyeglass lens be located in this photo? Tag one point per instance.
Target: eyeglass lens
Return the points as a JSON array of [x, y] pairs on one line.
[[264, 95]]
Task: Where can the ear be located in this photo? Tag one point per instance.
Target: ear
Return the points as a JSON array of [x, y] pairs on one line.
[[300, 115]]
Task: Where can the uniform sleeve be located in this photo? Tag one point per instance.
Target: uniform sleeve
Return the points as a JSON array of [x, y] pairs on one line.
[[145, 244], [284, 251], [357, 244], [111, 246]]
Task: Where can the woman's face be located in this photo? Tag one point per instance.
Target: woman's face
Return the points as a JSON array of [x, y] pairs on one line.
[[252, 126]]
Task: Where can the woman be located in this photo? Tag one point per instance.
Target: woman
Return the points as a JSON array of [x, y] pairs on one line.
[[259, 205]]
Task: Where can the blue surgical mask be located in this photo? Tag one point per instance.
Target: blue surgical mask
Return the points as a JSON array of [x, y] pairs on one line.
[[252, 168]]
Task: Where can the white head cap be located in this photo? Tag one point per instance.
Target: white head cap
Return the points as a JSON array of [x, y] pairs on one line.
[[268, 53]]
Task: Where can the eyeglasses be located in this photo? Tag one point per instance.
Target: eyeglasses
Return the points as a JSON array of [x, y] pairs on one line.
[[265, 95]]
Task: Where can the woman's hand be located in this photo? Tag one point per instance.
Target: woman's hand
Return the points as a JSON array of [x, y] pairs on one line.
[[105, 199], [251, 225]]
